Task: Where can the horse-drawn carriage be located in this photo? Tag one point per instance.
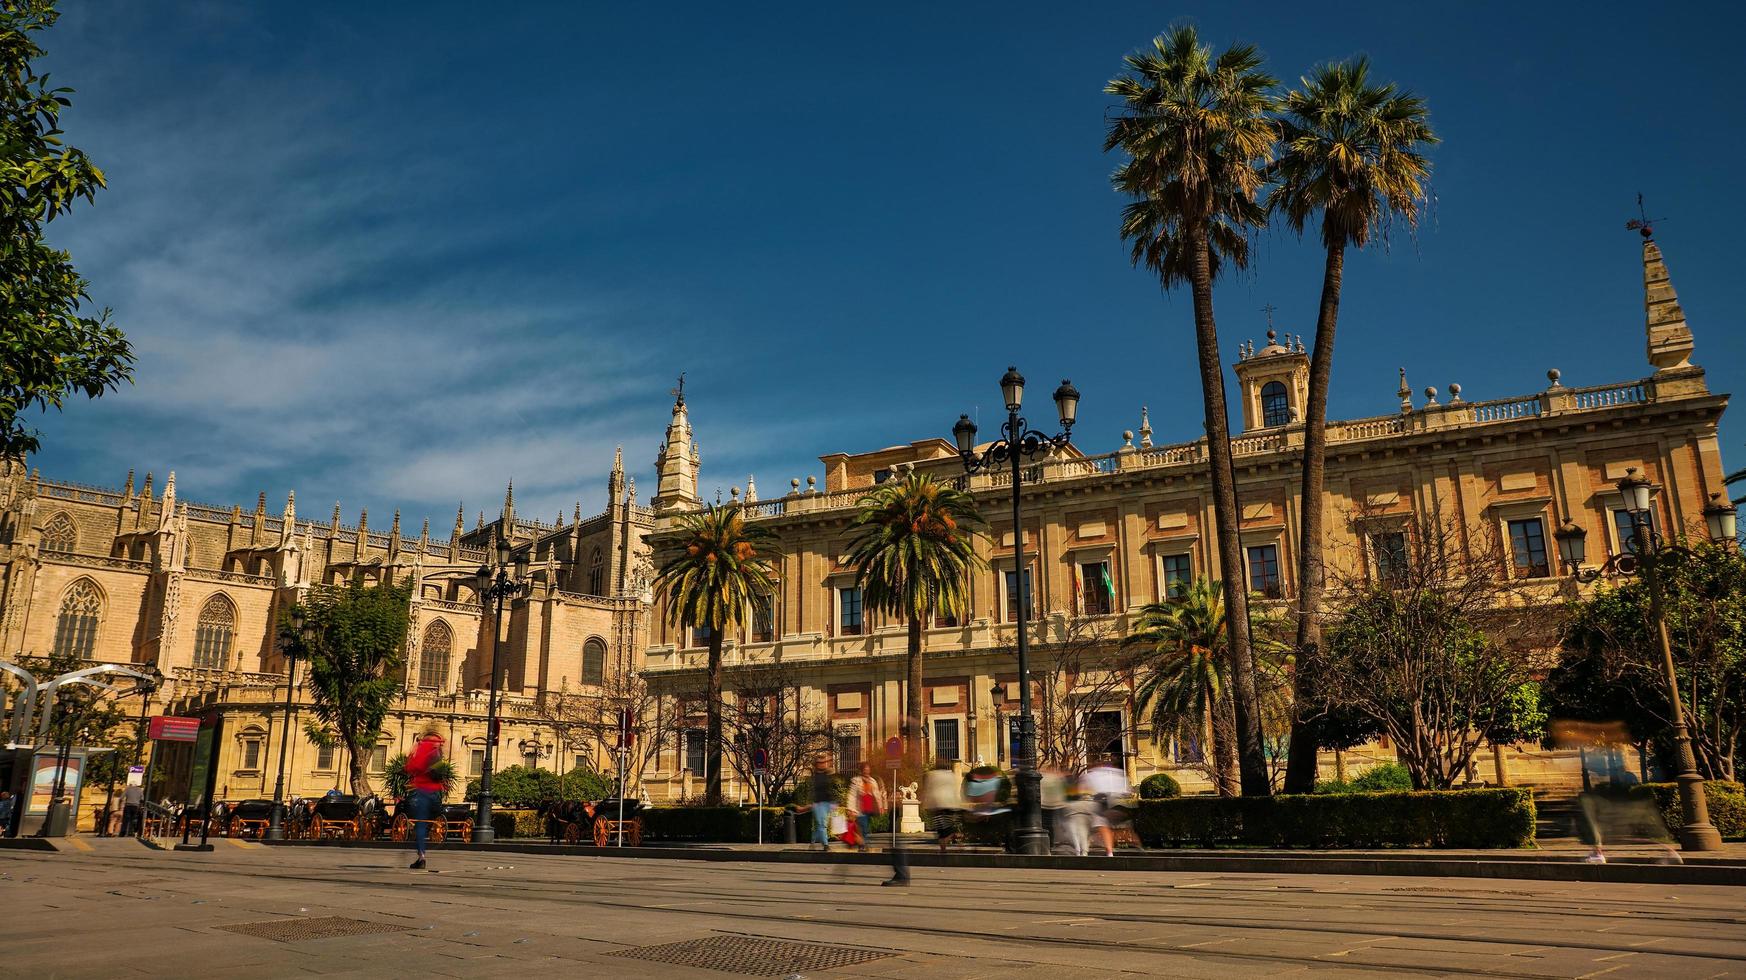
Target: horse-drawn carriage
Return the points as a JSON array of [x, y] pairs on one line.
[[454, 821], [248, 818], [346, 818], [616, 821]]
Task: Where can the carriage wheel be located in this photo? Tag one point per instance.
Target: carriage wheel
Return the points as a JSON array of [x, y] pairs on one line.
[[467, 831], [600, 835], [636, 832], [572, 833], [316, 829]]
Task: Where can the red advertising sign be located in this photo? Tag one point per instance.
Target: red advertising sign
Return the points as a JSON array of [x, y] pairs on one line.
[[169, 728]]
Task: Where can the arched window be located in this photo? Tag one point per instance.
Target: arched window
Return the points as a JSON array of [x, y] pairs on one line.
[[76, 626], [213, 632], [433, 655], [1275, 406], [594, 662], [59, 534], [597, 573]]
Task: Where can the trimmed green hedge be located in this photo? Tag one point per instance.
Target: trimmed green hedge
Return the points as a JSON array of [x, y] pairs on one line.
[[1452, 818], [1727, 804], [1160, 786]]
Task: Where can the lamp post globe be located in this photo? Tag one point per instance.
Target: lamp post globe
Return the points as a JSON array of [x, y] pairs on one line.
[[1067, 403], [1012, 389], [1635, 490]]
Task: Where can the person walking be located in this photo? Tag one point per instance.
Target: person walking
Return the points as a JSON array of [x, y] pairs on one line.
[[6, 805], [943, 798], [131, 800], [866, 801], [824, 801], [1108, 786], [424, 795]]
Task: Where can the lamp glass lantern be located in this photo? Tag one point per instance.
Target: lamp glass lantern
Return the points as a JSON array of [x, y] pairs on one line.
[[1067, 403], [1572, 544], [502, 551], [1721, 520], [521, 565], [1635, 491], [965, 434], [1012, 388]]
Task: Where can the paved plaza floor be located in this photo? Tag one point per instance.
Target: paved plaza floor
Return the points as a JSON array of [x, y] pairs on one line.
[[244, 910]]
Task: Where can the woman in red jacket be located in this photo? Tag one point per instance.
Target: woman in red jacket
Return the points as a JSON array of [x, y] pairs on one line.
[[424, 800]]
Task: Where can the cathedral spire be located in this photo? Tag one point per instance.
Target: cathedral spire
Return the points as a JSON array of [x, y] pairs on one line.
[[460, 521], [508, 516], [676, 467], [615, 482], [1670, 340]]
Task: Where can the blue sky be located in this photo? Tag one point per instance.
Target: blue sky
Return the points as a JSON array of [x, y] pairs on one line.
[[395, 254]]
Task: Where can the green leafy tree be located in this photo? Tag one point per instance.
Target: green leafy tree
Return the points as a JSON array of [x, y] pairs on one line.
[[356, 650], [1195, 129], [86, 716], [50, 346], [912, 545], [1183, 678], [724, 564], [1352, 154], [1612, 660], [520, 786]]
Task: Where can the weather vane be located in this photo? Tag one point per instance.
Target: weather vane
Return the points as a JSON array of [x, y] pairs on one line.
[[1642, 224], [1268, 309], [679, 391]]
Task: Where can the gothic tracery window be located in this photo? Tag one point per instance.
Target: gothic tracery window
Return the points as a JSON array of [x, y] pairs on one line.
[[213, 633], [59, 534], [597, 574], [433, 655], [76, 626]]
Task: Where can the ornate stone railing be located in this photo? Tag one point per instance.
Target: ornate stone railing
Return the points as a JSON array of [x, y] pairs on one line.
[[81, 493], [97, 561], [1504, 409], [1607, 396], [1372, 428], [236, 578], [450, 605]]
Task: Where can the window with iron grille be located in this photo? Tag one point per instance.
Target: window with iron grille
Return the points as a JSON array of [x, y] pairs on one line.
[[1391, 554], [695, 757], [324, 757], [1275, 405], [946, 740], [1177, 572]]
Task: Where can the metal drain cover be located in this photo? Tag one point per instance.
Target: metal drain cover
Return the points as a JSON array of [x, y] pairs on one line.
[[317, 927], [753, 957]]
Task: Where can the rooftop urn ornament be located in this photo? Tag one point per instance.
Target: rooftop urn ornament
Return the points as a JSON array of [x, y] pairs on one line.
[[1454, 393], [794, 485], [1430, 395], [1405, 393], [1127, 440], [1553, 376], [812, 484], [1145, 429]]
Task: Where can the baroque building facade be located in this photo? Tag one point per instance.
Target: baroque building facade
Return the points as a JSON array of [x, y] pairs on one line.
[[1106, 534], [143, 576]]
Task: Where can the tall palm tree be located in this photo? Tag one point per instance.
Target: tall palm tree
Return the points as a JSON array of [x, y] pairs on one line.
[[912, 544], [1184, 676], [724, 564], [1352, 151], [1196, 129]]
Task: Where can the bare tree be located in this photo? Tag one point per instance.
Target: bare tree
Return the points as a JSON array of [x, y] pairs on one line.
[[590, 722], [1431, 637], [1078, 669], [767, 713]]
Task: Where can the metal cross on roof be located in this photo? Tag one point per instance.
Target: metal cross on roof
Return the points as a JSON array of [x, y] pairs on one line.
[[1642, 224], [1268, 309], [679, 391]]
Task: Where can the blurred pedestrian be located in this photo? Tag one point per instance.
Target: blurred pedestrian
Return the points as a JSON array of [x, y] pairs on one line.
[[6, 806], [424, 795], [824, 800], [1108, 787], [1052, 788], [943, 798], [866, 801]]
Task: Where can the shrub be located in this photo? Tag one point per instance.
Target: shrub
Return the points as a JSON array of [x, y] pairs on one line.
[[396, 783], [718, 824], [519, 786], [517, 823], [1386, 778], [1727, 803], [1160, 786], [1453, 818]]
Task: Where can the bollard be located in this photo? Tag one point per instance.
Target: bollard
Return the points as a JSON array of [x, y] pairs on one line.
[[788, 824]]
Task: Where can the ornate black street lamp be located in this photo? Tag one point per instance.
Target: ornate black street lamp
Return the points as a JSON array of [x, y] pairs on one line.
[[495, 582], [1644, 555], [291, 641], [1017, 443]]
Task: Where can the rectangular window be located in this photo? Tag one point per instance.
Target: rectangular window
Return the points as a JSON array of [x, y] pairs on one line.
[[476, 763], [848, 753], [324, 758], [379, 758], [1391, 554], [1189, 750], [880, 476], [700, 636], [849, 611], [944, 621], [1528, 547], [694, 754], [251, 754], [1623, 528], [1176, 572], [946, 740], [1264, 570], [1103, 737], [1096, 588], [1012, 596], [763, 618]]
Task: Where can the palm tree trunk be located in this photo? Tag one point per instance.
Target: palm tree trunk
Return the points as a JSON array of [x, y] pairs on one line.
[[1224, 728], [1300, 769], [912, 713], [712, 732], [1251, 758]]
